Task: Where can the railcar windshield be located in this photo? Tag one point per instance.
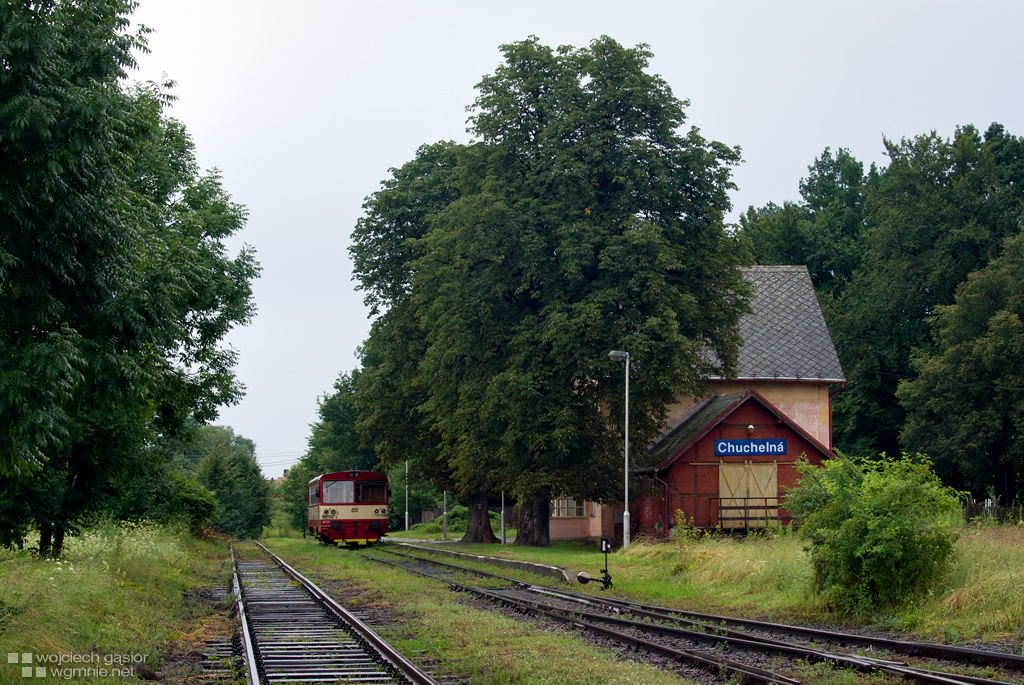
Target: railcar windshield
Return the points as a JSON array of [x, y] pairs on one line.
[[371, 491], [337, 491]]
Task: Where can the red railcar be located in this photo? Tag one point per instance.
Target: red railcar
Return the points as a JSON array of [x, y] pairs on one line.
[[349, 507]]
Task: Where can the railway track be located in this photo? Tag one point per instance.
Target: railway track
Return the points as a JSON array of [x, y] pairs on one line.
[[719, 644], [294, 632]]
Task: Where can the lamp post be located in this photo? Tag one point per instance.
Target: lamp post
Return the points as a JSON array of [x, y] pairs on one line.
[[619, 355], [406, 495]]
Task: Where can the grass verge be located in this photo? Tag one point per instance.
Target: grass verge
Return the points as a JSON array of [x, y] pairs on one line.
[[980, 598], [115, 599], [484, 646]]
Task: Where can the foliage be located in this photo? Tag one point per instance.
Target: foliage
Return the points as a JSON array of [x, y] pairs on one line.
[[824, 231], [117, 584], [458, 521], [229, 470], [155, 490], [879, 531], [334, 445], [967, 407], [67, 244], [115, 283], [887, 251], [422, 497], [581, 221], [943, 209]]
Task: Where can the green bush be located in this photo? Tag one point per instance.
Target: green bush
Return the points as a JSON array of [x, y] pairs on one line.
[[458, 522], [880, 531]]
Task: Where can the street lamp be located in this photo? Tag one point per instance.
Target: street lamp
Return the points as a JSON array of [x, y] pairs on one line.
[[619, 355]]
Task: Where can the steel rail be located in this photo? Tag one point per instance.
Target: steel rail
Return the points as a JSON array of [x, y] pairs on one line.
[[920, 649], [388, 653], [756, 643], [741, 638], [248, 652], [917, 649], [751, 674], [776, 648]]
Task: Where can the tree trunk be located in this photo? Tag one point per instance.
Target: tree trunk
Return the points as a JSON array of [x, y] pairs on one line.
[[533, 524], [1006, 485], [58, 540], [478, 527], [45, 537]]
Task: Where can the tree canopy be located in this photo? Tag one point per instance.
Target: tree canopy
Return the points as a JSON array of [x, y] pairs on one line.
[[966, 409], [334, 445], [229, 470], [116, 287], [916, 235], [581, 220]]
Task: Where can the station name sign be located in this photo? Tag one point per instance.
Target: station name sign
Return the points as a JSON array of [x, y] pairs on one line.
[[726, 448]]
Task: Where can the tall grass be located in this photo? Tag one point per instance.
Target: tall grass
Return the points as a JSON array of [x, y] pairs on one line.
[[117, 589], [980, 597]]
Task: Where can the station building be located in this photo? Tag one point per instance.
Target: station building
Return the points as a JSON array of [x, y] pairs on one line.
[[726, 460]]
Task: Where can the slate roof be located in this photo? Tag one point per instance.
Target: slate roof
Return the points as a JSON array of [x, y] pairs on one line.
[[708, 414], [786, 337]]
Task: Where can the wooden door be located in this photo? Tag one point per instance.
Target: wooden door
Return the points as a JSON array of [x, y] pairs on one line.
[[762, 494], [732, 495], [748, 494]]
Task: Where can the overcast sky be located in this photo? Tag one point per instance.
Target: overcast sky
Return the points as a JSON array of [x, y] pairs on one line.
[[305, 105]]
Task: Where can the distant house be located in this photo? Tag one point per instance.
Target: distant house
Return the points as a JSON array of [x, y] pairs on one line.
[[727, 459], [281, 479]]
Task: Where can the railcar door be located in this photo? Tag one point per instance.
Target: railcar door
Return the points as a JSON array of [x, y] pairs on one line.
[[314, 508]]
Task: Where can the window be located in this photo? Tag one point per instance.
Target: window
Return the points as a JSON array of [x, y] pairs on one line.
[[337, 492], [566, 508], [371, 492], [314, 496]]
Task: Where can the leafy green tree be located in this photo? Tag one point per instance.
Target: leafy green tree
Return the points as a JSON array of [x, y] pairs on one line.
[[67, 247], [582, 221], [229, 470], [334, 445], [879, 531], [422, 497], [116, 287], [824, 231], [943, 209], [967, 407]]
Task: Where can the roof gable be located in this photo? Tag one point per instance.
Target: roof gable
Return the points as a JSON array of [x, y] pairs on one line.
[[785, 337], [708, 414]]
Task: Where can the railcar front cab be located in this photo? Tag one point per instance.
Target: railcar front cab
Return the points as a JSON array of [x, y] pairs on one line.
[[349, 507]]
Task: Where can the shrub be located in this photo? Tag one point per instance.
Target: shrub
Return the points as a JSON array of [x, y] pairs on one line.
[[458, 522], [879, 531]]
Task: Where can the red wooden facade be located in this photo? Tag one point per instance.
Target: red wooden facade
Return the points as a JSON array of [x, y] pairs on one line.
[[730, 490]]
